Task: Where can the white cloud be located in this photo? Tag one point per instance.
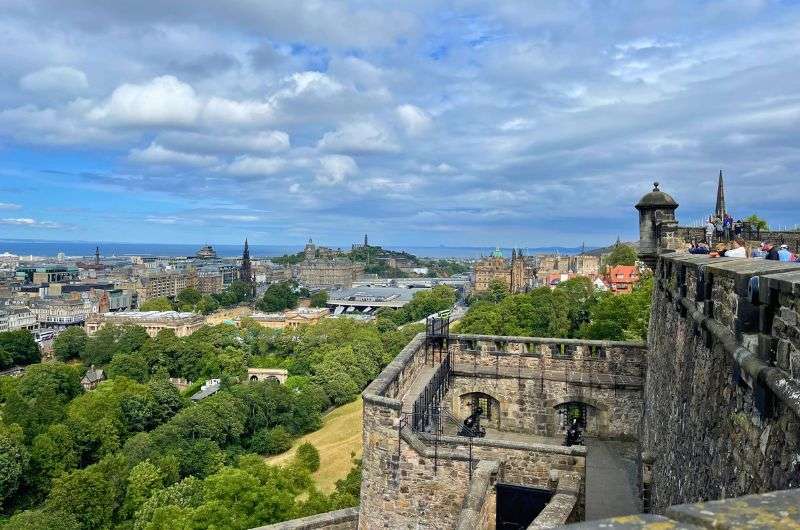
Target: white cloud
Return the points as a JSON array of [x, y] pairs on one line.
[[29, 223], [334, 169], [241, 218], [255, 166], [164, 101], [222, 110], [358, 137], [9, 206], [415, 120], [56, 79], [255, 142], [158, 155], [162, 220]]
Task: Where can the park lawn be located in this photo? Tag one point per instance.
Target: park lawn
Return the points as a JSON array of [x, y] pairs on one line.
[[339, 436]]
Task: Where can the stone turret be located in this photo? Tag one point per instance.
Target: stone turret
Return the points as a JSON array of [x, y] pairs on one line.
[[656, 224]]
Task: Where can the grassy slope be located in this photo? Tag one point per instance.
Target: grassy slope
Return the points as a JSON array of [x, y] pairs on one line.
[[339, 436]]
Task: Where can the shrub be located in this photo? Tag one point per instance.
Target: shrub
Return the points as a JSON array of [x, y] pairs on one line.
[[308, 457]]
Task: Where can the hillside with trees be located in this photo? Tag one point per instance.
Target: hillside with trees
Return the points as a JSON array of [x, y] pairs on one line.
[[135, 453]]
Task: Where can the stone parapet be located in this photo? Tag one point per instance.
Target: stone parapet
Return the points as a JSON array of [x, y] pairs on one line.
[[346, 519], [722, 407], [562, 507], [478, 506], [778, 509]]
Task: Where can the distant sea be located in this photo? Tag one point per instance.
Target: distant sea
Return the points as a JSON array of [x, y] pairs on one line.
[[27, 247]]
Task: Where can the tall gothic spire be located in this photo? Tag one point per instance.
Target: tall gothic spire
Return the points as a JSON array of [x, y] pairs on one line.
[[97, 256], [720, 210], [246, 270]]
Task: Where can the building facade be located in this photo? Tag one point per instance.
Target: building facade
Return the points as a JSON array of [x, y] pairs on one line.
[[183, 324], [167, 283], [517, 275], [327, 273]]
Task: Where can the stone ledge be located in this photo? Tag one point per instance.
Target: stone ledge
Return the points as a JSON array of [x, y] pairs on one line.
[[319, 521], [482, 480], [389, 374], [561, 506], [575, 450], [548, 340]]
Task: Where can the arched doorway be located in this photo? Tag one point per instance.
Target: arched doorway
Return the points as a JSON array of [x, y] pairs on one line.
[[588, 417], [253, 378], [490, 408]]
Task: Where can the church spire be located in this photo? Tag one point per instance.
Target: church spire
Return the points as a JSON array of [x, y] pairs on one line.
[[720, 210]]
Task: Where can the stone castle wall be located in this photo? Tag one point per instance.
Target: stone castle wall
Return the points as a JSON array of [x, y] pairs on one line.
[[530, 377], [418, 480], [722, 406]]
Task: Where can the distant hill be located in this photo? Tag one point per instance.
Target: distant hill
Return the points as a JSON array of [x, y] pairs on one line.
[[605, 250]]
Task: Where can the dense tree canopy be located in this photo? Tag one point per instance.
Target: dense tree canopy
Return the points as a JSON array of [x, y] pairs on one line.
[[18, 348], [423, 304], [572, 310], [161, 303], [279, 296], [69, 344], [319, 299]]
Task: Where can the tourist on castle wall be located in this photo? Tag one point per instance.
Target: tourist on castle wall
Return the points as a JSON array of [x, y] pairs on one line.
[[737, 249], [772, 252], [709, 231], [784, 254], [718, 231], [760, 252], [738, 226]]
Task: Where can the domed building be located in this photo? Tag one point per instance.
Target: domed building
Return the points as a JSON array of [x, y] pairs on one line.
[[206, 252]]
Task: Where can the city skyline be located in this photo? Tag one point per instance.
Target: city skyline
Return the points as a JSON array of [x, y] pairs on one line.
[[425, 124]]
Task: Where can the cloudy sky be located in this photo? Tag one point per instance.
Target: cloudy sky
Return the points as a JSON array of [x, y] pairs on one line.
[[421, 122]]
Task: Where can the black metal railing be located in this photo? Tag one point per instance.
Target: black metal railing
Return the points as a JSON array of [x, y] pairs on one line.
[[427, 404]]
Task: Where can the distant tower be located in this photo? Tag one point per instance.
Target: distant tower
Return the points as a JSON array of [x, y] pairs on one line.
[[97, 256], [246, 271], [720, 210], [366, 241]]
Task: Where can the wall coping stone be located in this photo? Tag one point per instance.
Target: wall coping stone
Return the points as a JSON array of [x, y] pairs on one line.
[[479, 488], [389, 374], [575, 450], [547, 340], [321, 520], [777, 509], [561, 506]]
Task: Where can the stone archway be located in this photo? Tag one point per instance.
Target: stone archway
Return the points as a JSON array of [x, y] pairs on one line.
[[253, 378], [490, 406], [592, 415]]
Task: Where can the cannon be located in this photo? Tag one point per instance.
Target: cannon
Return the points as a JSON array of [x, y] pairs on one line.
[[472, 425], [574, 434]]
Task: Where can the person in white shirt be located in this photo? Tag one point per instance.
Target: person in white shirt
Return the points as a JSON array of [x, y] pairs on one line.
[[737, 250]]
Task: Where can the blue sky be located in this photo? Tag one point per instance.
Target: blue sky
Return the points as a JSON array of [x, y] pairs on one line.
[[420, 122]]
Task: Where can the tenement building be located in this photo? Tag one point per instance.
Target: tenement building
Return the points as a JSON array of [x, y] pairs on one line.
[[697, 429], [167, 283]]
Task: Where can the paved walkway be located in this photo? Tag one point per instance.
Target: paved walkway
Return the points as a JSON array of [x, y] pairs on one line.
[[610, 479], [421, 380]]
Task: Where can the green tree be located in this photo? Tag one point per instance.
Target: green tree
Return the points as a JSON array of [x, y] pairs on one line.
[[621, 254], [131, 365], [101, 346], [319, 299], [70, 343], [143, 481], [13, 460], [188, 297], [279, 296], [91, 495], [271, 441], [207, 305], [308, 457], [53, 453], [161, 303], [757, 222], [20, 348], [621, 317], [42, 520]]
